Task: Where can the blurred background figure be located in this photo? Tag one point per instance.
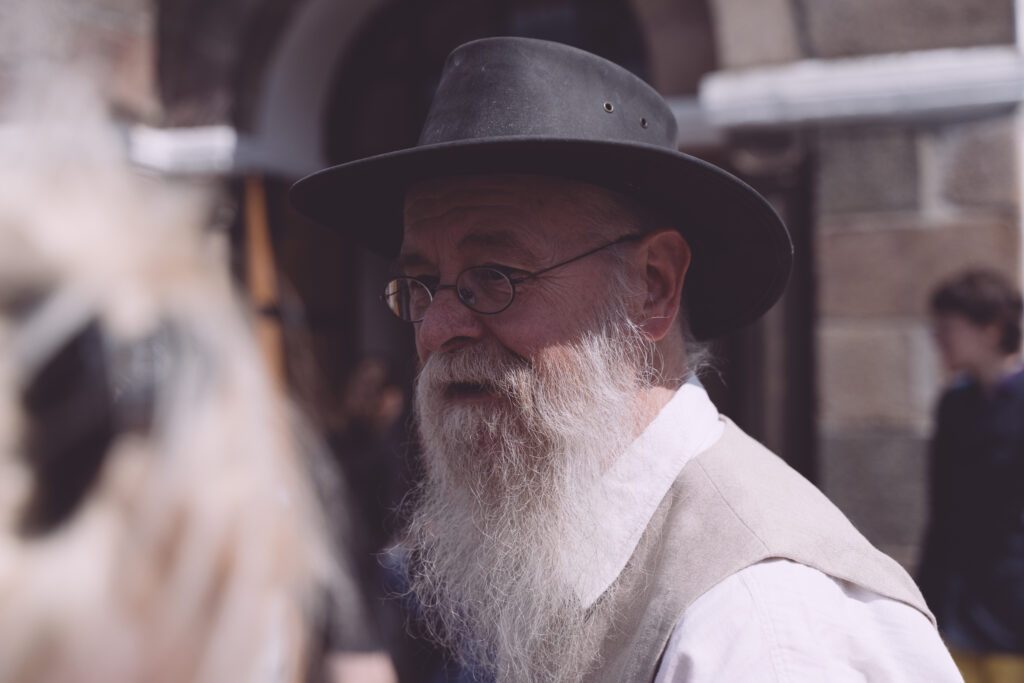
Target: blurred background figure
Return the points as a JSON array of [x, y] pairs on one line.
[[972, 570], [157, 515], [165, 513]]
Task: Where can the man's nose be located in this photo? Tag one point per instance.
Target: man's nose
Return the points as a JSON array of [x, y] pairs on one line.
[[447, 325]]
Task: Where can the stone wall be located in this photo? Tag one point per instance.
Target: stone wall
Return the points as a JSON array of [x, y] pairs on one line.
[[841, 28], [898, 209], [775, 31], [756, 33], [899, 205]]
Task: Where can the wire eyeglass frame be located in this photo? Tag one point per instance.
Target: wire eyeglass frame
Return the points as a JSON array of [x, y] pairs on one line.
[[467, 295]]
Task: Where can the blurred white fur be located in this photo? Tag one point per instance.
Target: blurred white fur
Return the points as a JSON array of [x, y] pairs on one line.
[[200, 553]]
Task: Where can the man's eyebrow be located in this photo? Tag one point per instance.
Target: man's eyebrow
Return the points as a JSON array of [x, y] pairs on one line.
[[506, 240], [412, 259]]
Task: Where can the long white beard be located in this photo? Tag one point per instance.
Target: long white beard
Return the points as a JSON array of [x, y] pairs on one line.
[[502, 498]]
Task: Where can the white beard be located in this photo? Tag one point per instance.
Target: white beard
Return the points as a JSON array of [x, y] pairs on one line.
[[503, 498]]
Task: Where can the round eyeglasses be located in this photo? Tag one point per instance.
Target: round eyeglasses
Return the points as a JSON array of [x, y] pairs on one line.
[[482, 289]]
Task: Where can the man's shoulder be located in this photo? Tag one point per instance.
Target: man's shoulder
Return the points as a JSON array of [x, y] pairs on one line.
[[781, 620], [754, 495], [761, 489], [734, 506]]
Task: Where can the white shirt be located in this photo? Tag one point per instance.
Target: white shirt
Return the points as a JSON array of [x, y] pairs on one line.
[[774, 621]]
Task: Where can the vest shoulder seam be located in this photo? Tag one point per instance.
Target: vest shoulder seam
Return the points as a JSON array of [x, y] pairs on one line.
[[725, 500]]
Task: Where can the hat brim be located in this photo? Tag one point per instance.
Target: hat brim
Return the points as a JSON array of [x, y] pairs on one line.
[[742, 253]]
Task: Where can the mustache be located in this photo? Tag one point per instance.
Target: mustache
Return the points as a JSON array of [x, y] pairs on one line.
[[490, 367]]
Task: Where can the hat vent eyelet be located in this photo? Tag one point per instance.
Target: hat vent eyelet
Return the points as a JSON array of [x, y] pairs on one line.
[[643, 123], [609, 107]]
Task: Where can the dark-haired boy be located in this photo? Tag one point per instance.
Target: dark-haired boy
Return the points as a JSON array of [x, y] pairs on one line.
[[972, 571]]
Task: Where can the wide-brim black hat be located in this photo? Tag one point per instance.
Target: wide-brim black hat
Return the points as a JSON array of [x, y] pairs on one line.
[[518, 105]]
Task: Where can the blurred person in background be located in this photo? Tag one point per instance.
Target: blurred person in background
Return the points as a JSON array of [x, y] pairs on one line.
[[972, 569], [585, 512], [359, 430], [359, 437], [158, 516]]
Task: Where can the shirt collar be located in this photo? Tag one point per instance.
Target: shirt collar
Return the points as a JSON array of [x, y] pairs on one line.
[[628, 494]]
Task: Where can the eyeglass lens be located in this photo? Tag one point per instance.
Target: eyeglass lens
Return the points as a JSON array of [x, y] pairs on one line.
[[482, 289], [407, 298]]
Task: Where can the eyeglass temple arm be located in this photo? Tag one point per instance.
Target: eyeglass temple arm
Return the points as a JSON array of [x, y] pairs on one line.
[[625, 238]]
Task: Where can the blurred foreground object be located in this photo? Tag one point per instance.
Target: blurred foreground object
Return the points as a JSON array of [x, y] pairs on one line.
[[157, 518], [972, 571]]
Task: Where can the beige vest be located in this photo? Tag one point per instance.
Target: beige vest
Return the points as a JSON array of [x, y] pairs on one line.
[[732, 506]]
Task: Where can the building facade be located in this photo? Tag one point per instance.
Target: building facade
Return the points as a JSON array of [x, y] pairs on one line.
[[886, 132]]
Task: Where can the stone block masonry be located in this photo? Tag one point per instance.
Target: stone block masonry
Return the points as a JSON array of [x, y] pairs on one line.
[[755, 33], [883, 265], [875, 377], [900, 203], [880, 479], [867, 169], [898, 209], [843, 28], [977, 163]]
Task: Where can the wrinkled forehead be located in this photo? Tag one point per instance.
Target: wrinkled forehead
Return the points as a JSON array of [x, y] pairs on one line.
[[535, 212]]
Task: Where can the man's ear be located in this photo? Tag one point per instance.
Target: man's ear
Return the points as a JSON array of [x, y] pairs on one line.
[[668, 259]]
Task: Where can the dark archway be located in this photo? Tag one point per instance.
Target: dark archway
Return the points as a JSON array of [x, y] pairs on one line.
[[383, 89]]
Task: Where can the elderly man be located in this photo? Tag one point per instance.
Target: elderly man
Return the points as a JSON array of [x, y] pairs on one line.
[[586, 513]]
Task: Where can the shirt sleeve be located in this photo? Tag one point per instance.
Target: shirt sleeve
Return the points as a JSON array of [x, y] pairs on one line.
[[784, 622]]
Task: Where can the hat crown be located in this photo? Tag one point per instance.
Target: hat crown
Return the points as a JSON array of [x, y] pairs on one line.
[[512, 87]]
